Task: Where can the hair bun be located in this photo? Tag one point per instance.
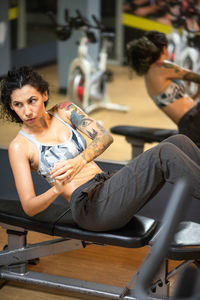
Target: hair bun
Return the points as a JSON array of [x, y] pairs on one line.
[[141, 53]]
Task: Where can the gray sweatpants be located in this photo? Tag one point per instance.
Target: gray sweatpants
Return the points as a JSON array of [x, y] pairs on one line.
[[108, 203]]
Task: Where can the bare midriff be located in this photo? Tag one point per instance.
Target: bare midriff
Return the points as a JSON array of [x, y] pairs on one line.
[[87, 173], [179, 108]]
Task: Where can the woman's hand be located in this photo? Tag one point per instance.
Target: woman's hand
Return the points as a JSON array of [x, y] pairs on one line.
[[59, 186], [66, 170]]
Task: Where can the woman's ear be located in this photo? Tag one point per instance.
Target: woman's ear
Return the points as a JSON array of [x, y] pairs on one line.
[[45, 96], [165, 49], [11, 106]]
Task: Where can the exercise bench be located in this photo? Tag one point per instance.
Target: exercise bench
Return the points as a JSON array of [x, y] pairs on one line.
[[56, 221], [138, 136]]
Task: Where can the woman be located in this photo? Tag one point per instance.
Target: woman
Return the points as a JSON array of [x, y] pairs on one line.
[[143, 8], [50, 144], [148, 56]]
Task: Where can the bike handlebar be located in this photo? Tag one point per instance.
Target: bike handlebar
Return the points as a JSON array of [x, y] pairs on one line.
[[100, 26], [77, 22], [80, 21]]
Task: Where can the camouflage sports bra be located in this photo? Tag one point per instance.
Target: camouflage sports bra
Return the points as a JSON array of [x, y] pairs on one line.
[[175, 91], [51, 154]]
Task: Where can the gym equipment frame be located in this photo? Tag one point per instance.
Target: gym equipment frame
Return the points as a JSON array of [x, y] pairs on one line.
[[57, 221]]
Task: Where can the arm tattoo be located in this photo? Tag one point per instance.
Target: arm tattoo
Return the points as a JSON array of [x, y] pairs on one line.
[[92, 134], [79, 120], [77, 117], [76, 114], [101, 142], [169, 65], [190, 76], [64, 105], [101, 139]]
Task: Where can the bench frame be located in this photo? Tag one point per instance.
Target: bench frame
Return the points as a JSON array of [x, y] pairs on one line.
[[13, 265], [14, 261]]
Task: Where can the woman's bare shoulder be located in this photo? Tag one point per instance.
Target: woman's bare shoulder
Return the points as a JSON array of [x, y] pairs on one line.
[[18, 145]]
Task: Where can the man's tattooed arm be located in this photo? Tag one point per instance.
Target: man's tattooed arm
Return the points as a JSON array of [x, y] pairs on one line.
[[101, 138]]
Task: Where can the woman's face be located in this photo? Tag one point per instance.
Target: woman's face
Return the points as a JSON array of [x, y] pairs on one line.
[[28, 104]]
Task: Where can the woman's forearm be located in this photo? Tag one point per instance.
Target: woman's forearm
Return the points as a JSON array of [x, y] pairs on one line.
[[97, 147], [191, 76], [39, 203]]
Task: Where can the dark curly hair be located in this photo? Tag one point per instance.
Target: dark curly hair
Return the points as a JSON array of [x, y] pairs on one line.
[[16, 79], [143, 52]]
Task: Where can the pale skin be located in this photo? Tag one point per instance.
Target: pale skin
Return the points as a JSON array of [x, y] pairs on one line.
[[159, 77], [28, 103]]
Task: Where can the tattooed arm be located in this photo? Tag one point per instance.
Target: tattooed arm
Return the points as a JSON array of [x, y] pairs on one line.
[[100, 137], [173, 71]]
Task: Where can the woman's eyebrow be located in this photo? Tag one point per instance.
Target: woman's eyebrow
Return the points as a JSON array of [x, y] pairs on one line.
[[15, 101], [18, 101], [30, 98]]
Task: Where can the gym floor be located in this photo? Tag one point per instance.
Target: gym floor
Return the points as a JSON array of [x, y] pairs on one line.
[[103, 264]]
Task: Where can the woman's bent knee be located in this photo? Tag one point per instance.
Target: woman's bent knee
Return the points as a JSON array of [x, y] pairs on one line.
[[178, 139]]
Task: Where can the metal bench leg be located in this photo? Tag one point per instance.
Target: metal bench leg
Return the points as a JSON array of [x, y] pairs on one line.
[[17, 240], [160, 288], [137, 146]]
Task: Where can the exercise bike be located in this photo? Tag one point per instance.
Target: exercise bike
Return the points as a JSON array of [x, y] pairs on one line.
[[190, 57], [183, 41], [87, 84], [175, 42]]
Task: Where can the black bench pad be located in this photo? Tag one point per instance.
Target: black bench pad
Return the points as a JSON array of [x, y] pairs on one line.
[[148, 134], [57, 220], [186, 243]]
